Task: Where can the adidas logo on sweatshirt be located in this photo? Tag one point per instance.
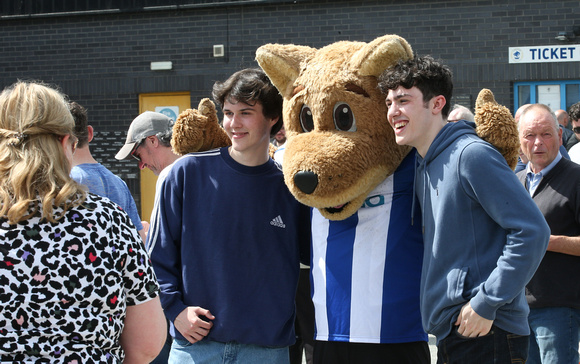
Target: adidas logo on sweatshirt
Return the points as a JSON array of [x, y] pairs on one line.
[[277, 221]]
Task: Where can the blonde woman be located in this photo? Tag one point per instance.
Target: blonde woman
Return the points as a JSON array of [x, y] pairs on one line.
[[75, 281]]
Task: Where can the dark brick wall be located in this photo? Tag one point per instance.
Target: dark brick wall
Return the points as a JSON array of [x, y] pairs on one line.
[[102, 60]]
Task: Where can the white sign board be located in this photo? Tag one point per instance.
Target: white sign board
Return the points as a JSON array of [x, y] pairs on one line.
[[541, 54]]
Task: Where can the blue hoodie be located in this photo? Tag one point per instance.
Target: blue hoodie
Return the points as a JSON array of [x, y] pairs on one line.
[[484, 236]]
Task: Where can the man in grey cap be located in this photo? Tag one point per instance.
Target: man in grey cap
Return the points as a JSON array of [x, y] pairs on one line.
[[149, 142]]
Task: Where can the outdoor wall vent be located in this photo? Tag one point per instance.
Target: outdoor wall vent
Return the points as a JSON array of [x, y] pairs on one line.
[[218, 50]]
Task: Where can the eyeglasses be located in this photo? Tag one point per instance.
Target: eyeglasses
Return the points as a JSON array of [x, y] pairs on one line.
[[135, 149], [576, 130]]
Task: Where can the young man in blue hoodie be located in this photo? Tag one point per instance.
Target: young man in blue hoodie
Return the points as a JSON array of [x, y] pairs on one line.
[[484, 237]]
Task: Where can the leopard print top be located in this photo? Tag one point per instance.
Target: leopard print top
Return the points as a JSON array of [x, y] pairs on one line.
[[64, 287]]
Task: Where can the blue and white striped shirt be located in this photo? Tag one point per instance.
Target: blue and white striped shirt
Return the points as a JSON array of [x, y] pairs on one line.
[[366, 269]]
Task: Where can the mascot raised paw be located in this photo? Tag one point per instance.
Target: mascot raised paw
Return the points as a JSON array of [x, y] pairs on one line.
[[198, 130], [496, 125]]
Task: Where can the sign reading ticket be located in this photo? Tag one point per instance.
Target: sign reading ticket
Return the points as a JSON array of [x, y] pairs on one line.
[[539, 54]]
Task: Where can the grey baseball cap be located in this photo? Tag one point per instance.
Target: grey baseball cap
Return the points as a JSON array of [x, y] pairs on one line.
[[147, 124]]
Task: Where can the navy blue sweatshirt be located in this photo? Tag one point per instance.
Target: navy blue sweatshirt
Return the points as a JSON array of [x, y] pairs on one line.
[[227, 240]]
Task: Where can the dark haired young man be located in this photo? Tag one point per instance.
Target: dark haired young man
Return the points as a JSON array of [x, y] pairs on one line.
[[480, 249], [227, 236], [98, 179]]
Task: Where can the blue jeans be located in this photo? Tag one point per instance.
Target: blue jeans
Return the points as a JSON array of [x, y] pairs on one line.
[[555, 335], [209, 352], [499, 346]]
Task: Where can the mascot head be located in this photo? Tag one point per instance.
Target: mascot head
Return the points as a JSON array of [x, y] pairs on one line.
[[340, 145]]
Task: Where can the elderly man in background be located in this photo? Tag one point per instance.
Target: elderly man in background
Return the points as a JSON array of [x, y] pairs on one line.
[[553, 293]]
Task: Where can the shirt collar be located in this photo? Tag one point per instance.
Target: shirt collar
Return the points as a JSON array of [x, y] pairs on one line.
[[545, 171]]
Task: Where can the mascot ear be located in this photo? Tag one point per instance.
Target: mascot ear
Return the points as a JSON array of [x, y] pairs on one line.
[[380, 54], [282, 64]]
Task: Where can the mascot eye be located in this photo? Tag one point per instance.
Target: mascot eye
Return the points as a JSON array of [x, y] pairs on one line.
[[306, 120], [343, 117]]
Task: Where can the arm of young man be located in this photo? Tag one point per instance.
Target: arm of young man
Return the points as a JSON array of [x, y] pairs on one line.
[[165, 241], [488, 180]]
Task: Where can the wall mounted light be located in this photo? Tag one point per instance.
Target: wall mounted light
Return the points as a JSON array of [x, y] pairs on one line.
[[567, 36], [562, 36], [161, 66]]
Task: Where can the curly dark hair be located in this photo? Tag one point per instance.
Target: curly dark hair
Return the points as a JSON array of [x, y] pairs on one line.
[[574, 112], [249, 86], [430, 76], [81, 130]]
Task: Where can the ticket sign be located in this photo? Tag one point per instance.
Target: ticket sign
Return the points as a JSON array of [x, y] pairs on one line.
[[541, 54]]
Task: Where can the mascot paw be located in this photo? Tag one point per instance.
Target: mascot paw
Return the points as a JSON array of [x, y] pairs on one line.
[[198, 130]]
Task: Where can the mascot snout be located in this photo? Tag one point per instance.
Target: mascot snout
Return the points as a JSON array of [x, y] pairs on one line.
[[306, 181]]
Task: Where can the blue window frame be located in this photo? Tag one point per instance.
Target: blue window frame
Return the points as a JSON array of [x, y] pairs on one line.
[[531, 92]]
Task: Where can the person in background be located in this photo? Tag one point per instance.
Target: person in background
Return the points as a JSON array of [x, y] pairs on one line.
[[460, 112], [563, 118], [564, 121], [480, 251], [280, 138], [279, 141], [523, 160], [574, 149], [554, 291], [304, 326], [98, 179], [76, 281], [149, 142], [228, 269], [574, 114]]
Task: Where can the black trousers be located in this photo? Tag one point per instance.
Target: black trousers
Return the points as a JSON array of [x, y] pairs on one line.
[[330, 352], [304, 325]]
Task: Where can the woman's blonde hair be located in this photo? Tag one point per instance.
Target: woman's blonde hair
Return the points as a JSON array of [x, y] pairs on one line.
[[34, 170]]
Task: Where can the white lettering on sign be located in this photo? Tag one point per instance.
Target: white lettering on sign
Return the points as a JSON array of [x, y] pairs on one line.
[[567, 53]]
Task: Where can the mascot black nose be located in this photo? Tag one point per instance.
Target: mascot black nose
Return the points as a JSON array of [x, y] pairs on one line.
[[306, 181]]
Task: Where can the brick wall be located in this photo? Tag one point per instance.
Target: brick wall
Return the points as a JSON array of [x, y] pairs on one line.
[[102, 60]]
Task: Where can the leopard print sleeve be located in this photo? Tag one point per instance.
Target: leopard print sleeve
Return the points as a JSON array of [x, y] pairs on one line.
[[64, 287]]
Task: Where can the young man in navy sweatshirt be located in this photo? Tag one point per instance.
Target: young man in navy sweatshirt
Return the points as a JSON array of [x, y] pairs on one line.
[[227, 236]]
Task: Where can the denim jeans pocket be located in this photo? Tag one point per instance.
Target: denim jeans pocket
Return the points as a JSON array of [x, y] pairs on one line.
[[498, 346], [518, 347], [182, 342]]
